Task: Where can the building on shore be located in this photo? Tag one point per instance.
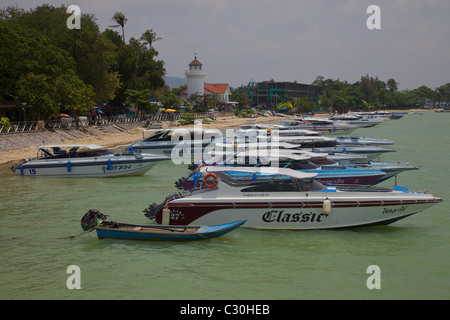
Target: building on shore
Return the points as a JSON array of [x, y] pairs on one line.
[[268, 94], [217, 94]]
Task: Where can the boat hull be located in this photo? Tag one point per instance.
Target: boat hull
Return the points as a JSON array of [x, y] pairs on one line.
[[99, 167], [173, 148], [371, 152], [337, 129], [260, 212]]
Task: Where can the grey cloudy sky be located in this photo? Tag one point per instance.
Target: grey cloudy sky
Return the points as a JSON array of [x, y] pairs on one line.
[[288, 40]]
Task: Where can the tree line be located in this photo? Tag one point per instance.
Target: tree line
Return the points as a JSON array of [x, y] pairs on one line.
[[56, 69], [370, 93]]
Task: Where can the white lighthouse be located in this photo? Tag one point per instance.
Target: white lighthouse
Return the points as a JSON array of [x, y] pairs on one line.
[[195, 78]]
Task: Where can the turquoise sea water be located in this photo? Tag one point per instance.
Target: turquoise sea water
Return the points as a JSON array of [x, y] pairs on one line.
[[38, 214]]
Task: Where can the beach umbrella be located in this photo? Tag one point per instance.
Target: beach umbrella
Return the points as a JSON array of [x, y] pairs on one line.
[[64, 115], [171, 110]]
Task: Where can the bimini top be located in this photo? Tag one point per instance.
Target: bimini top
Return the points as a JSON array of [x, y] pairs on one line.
[[264, 170]]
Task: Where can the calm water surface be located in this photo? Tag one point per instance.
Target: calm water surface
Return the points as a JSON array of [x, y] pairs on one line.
[[38, 214]]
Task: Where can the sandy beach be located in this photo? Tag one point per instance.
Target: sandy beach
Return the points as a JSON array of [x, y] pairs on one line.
[[15, 147]]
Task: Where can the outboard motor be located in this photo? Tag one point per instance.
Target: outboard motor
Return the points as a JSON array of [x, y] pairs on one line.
[[154, 208], [192, 166], [180, 183], [91, 219]]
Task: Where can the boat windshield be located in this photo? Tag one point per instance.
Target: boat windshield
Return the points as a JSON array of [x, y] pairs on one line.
[[162, 135], [181, 134], [302, 185], [73, 152], [270, 183]]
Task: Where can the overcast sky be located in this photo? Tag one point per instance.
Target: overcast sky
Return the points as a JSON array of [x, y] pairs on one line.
[[288, 40]]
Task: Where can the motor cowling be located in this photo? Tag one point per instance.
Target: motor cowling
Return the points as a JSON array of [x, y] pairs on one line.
[[91, 219]]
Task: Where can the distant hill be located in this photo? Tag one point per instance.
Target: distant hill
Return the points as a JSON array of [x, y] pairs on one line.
[[175, 82]]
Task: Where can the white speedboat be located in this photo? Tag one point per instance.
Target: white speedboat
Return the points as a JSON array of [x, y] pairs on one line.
[[322, 125], [189, 141], [266, 129], [298, 203], [90, 160], [361, 120], [362, 141]]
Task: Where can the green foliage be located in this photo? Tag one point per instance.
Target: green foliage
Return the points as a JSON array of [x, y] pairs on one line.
[[369, 94], [188, 118], [5, 125], [304, 105], [43, 62], [287, 105], [170, 99], [141, 100]]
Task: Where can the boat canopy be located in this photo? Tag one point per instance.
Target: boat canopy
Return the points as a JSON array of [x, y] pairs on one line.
[[264, 170]]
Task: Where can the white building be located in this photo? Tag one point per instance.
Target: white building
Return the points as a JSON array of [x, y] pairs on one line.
[[195, 78], [196, 84]]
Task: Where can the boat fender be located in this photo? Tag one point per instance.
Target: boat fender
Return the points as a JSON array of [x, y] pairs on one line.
[[21, 169], [326, 206], [69, 166], [109, 164], [165, 216], [210, 180]]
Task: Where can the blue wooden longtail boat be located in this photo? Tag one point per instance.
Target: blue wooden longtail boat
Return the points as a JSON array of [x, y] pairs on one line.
[[94, 220]]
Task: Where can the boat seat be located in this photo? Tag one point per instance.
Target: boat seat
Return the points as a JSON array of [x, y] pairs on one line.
[[60, 152]]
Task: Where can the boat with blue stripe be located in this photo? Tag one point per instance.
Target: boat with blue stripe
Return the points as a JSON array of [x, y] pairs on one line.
[[88, 160]]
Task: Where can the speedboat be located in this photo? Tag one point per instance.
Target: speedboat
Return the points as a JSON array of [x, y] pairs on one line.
[[290, 141], [187, 141], [360, 120], [362, 141], [322, 125], [298, 202], [333, 175], [391, 169], [85, 160], [262, 129], [317, 144], [371, 152]]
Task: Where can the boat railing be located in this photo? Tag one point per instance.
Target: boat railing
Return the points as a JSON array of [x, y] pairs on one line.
[[365, 189]]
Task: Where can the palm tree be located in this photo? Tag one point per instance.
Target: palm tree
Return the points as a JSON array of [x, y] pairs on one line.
[[149, 36], [119, 17]]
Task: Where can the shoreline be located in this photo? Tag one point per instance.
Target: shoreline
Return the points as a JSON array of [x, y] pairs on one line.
[[104, 138]]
